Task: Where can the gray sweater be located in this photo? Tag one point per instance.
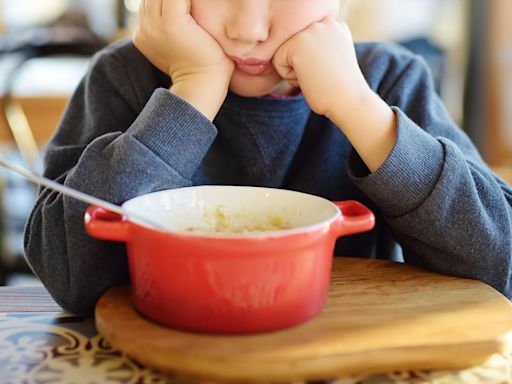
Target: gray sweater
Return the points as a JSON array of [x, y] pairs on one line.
[[123, 134]]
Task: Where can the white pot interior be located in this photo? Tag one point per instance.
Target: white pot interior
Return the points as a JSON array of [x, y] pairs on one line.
[[233, 210]]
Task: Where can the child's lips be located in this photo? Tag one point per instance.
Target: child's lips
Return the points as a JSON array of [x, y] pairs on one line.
[[252, 66], [253, 69]]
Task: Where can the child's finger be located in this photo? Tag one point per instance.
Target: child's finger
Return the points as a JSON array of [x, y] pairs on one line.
[[175, 7], [282, 62], [291, 78], [294, 83], [153, 9]]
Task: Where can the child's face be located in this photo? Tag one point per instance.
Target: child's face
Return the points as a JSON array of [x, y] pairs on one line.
[[253, 30]]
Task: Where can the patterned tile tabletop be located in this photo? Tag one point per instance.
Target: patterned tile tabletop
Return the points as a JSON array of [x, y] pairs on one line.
[[50, 346]]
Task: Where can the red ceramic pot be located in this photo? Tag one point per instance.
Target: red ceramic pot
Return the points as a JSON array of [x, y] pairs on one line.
[[269, 271]]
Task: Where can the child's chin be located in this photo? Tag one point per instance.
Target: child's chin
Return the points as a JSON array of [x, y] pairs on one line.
[[252, 86]]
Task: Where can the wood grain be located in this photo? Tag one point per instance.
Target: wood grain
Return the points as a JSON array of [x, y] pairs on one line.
[[381, 316]]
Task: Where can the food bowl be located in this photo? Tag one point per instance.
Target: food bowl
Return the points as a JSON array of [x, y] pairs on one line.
[[235, 260]]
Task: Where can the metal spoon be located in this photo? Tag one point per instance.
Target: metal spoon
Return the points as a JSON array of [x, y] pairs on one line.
[[40, 180]]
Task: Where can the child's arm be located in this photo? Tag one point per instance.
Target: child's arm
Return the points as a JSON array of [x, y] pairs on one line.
[[125, 134], [450, 213]]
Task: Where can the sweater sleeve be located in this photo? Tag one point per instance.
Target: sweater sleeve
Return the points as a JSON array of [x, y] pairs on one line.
[[105, 147], [450, 213]]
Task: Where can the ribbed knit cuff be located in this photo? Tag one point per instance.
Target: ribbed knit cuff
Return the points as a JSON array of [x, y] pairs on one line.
[[175, 131], [407, 176]]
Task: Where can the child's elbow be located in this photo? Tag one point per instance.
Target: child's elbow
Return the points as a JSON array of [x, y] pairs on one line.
[[82, 306]]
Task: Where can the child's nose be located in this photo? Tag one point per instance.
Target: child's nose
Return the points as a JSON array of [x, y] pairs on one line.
[[249, 23]]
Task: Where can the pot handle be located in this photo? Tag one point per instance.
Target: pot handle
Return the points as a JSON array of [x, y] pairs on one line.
[[106, 225], [355, 218]]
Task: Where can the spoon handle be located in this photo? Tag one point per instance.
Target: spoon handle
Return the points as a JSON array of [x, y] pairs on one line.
[[40, 180], [36, 179]]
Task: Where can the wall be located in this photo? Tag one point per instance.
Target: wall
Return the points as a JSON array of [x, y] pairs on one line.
[[444, 22]]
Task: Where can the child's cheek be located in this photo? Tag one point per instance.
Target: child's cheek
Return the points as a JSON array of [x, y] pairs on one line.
[[293, 20], [206, 15], [287, 27]]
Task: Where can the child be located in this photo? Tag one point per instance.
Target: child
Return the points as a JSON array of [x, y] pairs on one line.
[[267, 93]]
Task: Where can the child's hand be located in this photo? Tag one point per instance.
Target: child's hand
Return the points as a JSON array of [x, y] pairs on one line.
[[170, 38], [321, 60]]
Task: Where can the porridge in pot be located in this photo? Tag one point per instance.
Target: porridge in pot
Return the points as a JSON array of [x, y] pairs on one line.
[[221, 220]]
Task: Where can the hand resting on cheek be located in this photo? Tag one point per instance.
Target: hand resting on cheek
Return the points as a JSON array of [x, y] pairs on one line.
[[321, 60], [169, 37]]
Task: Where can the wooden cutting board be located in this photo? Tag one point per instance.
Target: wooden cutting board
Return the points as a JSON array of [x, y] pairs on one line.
[[381, 316]]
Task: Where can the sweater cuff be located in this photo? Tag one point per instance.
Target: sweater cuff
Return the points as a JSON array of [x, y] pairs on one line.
[[175, 131], [407, 176]]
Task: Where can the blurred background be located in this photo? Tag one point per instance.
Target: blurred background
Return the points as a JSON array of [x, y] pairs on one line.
[[46, 45]]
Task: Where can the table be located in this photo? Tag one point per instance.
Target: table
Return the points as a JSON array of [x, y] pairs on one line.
[[40, 343]]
